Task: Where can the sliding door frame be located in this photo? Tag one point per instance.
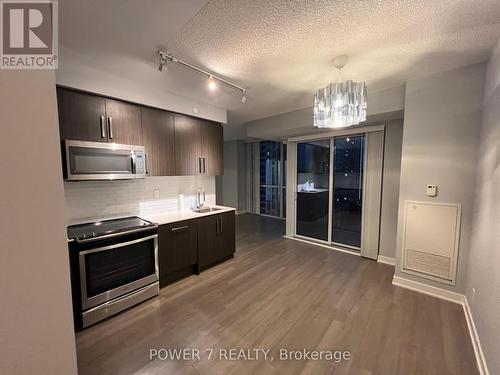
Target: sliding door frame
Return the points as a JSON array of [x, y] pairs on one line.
[[292, 189], [282, 187]]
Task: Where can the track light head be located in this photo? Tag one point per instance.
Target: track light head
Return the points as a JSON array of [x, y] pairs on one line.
[[244, 99], [162, 61], [212, 85]]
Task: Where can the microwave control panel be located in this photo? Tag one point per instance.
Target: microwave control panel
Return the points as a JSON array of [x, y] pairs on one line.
[[140, 168]]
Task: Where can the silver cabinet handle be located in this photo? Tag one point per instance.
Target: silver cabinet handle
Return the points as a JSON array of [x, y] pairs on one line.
[[199, 165], [220, 220], [110, 126], [180, 228], [217, 225], [146, 162], [103, 128], [204, 166]]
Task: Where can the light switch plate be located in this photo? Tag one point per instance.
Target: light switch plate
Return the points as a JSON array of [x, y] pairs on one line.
[[156, 193], [431, 190]]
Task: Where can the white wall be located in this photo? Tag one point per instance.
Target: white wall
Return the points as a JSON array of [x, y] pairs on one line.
[[484, 258], [230, 176], [232, 184], [91, 200], [383, 106], [81, 72], [440, 145], [390, 188], [36, 323]]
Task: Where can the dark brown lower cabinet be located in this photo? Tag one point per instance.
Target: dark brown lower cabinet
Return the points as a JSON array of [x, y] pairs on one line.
[[207, 240], [216, 239], [227, 233], [192, 246], [177, 250]]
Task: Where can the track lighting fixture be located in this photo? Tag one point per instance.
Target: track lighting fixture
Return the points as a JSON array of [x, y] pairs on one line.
[[164, 58]]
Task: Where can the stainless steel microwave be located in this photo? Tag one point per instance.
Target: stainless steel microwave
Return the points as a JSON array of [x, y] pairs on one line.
[[103, 161]]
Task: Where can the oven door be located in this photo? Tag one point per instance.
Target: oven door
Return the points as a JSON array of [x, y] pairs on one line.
[[111, 271], [100, 161]]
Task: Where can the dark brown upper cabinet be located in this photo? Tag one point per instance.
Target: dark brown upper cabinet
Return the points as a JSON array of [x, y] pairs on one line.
[[87, 117], [187, 146], [212, 145], [81, 116], [176, 145], [198, 146], [158, 136], [124, 123]]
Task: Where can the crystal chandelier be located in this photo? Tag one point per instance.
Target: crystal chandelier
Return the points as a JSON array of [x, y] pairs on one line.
[[340, 104]]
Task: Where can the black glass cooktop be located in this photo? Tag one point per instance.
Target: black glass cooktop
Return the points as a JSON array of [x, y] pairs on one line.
[[106, 227]]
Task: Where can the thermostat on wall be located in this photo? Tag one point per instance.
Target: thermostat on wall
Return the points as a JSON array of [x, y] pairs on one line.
[[431, 190]]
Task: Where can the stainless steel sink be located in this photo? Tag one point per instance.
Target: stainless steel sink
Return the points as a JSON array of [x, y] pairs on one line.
[[202, 210]]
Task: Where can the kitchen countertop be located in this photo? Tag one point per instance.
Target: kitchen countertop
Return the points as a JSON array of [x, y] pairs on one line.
[[174, 216], [162, 218], [319, 190]]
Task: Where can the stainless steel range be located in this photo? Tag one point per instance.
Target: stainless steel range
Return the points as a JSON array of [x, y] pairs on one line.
[[114, 265]]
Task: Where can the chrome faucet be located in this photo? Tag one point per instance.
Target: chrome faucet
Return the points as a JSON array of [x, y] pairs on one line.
[[200, 198]]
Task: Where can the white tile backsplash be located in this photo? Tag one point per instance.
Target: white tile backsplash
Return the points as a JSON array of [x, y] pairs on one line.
[[89, 200]]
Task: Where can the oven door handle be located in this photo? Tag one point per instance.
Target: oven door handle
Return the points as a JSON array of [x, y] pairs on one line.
[[106, 236], [121, 244]]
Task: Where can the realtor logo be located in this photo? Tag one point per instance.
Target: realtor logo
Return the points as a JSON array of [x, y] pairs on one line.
[[28, 34]]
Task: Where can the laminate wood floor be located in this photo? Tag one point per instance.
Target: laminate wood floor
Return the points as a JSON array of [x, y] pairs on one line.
[[283, 294]]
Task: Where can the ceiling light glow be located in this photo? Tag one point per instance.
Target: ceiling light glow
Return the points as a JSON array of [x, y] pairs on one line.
[[212, 85]]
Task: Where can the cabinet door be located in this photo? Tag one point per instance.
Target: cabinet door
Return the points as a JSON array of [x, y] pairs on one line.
[[80, 116], [123, 123], [212, 148], [177, 247], [226, 237], [158, 136], [207, 240], [187, 146]]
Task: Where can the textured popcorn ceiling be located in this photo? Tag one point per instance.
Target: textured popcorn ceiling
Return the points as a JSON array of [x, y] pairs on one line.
[[281, 50]]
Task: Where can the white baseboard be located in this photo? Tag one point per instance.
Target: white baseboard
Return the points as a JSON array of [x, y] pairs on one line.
[[429, 290], [241, 212], [386, 260], [455, 298], [476, 343]]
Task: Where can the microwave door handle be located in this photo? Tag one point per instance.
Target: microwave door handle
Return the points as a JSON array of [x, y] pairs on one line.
[[134, 162]]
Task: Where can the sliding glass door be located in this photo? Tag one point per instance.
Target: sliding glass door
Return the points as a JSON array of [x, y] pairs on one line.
[[348, 170], [330, 197], [313, 191]]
